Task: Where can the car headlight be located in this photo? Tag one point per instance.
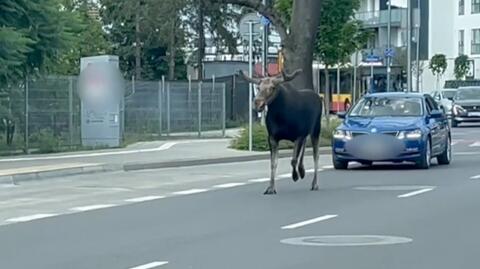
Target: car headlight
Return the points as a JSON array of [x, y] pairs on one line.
[[342, 135], [412, 135], [457, 110]]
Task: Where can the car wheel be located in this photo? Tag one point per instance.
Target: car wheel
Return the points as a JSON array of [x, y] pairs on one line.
[[339, 164], [426, 157], [446, 156]]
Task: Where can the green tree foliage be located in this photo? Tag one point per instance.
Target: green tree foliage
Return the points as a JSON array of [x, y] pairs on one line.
[[32, 35], [142, 33], [461, 67], [438, 65]]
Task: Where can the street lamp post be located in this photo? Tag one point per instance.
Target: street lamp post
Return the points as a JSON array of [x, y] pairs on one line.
[[409, 45], [389, 43], [417, 39]]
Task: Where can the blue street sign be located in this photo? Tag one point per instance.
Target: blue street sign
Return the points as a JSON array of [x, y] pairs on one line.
[[264, 21], [389, 53], [371, 58]]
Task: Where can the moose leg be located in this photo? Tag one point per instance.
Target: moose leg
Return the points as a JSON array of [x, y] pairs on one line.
[[295, 158], [315, 140], [301, 168], [273, 165]]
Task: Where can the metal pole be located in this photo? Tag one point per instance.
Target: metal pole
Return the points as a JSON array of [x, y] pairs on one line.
[[70, 109], [224, 108], [160, 86], [199, 112], [26, 116], [354, 94], [409, 46], [264, 57], [250, 88], [338, 88], [168, 109], [417, 81], [371, 77], [189, 97], [389, 43]]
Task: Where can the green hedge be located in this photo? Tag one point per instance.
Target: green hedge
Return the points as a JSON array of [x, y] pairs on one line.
[[260, 143]]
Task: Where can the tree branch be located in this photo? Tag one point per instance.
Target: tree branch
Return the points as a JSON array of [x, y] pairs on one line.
[[266, 11]]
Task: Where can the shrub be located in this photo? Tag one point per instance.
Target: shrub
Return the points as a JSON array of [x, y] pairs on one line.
[[260, 143], [45, 141]]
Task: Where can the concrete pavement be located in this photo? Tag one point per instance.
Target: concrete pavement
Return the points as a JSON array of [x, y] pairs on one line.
[[214, 216]]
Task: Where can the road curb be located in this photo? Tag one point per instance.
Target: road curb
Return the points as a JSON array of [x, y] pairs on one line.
[[55, 173], [224, 160]]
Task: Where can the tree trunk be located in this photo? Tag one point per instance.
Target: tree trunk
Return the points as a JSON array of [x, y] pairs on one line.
[[138, 67], [327, 94], [201, 38], [172, 51], [301, 40]]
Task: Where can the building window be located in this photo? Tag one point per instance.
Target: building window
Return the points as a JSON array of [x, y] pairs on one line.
[[461, 7], [476, 41], [461, 42], [475, 6]]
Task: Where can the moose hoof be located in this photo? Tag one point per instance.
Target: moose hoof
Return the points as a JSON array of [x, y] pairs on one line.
[[294, 175], [314, 188], [270, 191], [301, 170]]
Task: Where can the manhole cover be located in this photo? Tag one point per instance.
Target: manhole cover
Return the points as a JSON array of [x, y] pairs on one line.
[[346, 240], [393, 188]]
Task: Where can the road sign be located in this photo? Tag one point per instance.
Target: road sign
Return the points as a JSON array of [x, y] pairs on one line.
[[243, 26], [264, 21], [371, 58], [389, 52]]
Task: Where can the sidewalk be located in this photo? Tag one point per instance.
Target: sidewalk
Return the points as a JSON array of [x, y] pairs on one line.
[[144, 155]]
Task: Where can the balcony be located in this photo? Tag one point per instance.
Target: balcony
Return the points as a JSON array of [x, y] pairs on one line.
[[379, 18]]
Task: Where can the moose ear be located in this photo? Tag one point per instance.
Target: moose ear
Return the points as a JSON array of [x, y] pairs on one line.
[[249, 79]]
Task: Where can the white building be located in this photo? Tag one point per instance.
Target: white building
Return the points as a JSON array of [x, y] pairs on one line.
[[454, 30]]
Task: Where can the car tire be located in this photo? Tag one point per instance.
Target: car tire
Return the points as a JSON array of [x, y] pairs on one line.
[[366, 163], [339, 164], [446, 157], [426, 156]]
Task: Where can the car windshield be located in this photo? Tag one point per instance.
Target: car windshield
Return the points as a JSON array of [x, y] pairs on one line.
[[468, 94], [449, 94], [388, 107]]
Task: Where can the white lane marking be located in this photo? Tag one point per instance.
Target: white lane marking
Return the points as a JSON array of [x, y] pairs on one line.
[[259, 180], [475, 177], [413, 193], [31, 217], [91, 207], [229, 185], [466, 153], [327, 167], [150, 265], [165, 146], [191, 191], [144, 199], [476, 144], [307, 222], [454, 142], [287, 175]]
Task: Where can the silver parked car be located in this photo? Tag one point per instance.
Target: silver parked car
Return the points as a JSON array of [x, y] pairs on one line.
[[444, 98]]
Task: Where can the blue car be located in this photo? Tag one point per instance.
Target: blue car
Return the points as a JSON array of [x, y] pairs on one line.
[[393, 127]]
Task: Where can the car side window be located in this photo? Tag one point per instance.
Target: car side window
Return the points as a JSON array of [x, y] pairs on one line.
[[431, 104], [437, 96]]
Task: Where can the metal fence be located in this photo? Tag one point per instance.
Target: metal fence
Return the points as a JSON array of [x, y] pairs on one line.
[[45, 112]]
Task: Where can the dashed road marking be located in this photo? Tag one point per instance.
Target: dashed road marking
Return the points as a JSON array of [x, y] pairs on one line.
[[259, 180], [413, 193], [229, 185], [191, 191], [327, 167], [150, 265], [476, 144], [91, 207], [31, 217], [475, 177], [144, 199], [308, 222]]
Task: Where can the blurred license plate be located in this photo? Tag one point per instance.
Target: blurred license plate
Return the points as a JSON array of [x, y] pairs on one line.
[[474, 114]]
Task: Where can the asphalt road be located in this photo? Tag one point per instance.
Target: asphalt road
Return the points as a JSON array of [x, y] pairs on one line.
[[215, 216]]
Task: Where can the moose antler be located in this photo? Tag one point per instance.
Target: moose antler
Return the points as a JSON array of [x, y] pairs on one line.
[[249, 79], [291, 76]]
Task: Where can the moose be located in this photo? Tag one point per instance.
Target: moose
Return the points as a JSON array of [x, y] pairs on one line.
[[292, 114]]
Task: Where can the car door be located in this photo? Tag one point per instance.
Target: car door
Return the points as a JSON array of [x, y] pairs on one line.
[[438, 127]]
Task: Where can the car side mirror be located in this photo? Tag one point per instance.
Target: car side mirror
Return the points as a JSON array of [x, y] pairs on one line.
[[342, 115], [436, 114]]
